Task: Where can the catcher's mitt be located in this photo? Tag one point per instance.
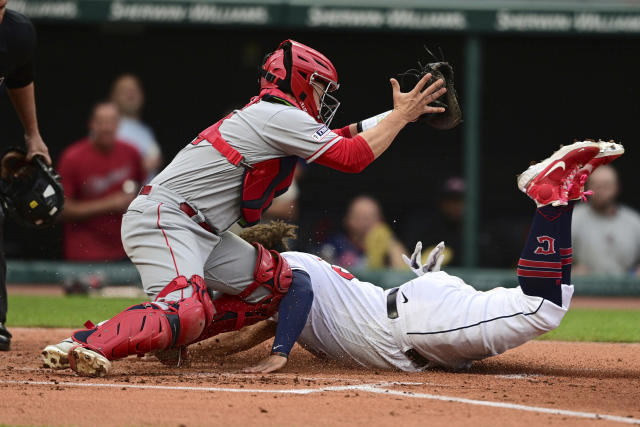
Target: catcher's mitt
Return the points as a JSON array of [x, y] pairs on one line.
[[439, 70]]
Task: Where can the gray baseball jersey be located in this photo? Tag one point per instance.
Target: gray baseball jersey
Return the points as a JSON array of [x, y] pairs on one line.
[[260, 132]]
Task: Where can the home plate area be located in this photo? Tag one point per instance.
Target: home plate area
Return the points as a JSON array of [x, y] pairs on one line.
[[541, 382]]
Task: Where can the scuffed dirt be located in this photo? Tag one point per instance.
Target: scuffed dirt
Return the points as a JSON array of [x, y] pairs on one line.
[[589, 377]]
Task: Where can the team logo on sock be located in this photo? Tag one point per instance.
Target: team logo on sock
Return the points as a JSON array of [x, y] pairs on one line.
[[550, 244]]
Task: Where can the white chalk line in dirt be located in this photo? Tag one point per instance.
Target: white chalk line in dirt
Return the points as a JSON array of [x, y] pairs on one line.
[[192, 388], [228, 389], [504, 405], [370, 388], [520, 376], [276, 376]]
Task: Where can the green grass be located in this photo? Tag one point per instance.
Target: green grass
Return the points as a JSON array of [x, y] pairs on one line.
[[66, 312], [581, 324], [578, 325]]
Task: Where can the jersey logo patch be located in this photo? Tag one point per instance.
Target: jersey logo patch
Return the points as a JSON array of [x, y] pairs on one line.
[[320, 133], [550, 244], [343, 272]]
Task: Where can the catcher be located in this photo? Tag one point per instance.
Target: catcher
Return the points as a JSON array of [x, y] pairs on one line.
[[176, 230]]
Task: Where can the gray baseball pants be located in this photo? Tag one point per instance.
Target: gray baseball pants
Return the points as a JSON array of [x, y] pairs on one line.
[[164, 242]]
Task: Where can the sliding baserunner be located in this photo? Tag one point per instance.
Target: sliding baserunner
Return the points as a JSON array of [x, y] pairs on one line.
[[437, 319]]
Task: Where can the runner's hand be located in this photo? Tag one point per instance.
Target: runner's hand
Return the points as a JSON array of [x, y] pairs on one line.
[[434, 260], [270, 364]]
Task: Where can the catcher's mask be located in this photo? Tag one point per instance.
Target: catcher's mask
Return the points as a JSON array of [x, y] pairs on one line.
[[300, 70], [30, 190]]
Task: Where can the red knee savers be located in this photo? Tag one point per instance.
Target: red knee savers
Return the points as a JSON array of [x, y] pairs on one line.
[[195, 313]]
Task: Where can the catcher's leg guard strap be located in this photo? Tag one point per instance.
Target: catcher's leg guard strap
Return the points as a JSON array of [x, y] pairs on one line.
[[232, 314], [153, 326], [272, 271], [195, 309]]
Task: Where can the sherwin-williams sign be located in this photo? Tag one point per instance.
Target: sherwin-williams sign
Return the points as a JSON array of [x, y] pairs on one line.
[[295, 16]]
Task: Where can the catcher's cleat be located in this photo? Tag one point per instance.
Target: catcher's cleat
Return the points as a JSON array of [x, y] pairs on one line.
[[88, 363], [609, 151], [56, 356], [549, 182]]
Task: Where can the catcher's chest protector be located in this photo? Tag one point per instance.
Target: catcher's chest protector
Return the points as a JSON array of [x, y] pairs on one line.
[[261, 181]]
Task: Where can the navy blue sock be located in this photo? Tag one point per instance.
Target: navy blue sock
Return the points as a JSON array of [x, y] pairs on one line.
[[540, 269], [293, 312], [566, 250]]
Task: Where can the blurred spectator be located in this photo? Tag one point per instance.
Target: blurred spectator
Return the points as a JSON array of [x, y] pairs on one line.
[[101, 176], [128, 95], [368, 241], [606, 234], [443, 225]]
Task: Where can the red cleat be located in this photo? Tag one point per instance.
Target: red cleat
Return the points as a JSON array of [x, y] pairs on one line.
[[609, 151], [549, 182]]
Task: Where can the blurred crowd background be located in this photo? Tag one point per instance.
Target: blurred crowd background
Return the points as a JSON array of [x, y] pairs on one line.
[[153, 86]]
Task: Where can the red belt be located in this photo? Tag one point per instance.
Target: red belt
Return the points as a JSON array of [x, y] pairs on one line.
[[184, 207]]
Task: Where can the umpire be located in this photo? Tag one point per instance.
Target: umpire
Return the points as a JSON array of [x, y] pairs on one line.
[[17, 45]]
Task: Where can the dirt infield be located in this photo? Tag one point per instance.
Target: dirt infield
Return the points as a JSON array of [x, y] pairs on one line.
[[539, 383]]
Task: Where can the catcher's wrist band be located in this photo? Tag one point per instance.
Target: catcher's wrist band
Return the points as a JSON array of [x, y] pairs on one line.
[[367, 124], [279, 353]]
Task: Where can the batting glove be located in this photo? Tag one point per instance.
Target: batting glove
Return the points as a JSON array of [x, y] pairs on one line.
[[434, 260]]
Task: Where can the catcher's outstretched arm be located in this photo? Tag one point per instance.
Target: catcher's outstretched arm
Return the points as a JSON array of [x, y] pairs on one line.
[[353, 154], [236, 341], [407, 107], [369, 123], [354, 129]]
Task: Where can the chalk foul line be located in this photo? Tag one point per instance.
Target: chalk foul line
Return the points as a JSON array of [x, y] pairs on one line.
[[376, 388]]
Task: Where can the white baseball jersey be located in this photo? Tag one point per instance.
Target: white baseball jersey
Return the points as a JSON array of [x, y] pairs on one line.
[[261, 131], [445, 320]]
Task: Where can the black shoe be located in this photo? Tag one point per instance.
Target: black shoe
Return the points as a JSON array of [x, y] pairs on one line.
[[5, 338]]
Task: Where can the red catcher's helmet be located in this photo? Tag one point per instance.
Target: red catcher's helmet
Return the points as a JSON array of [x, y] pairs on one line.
[[299, 70]]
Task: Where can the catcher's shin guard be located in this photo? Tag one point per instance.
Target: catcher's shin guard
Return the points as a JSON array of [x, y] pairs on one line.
[[232, 312], [153, 325]]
